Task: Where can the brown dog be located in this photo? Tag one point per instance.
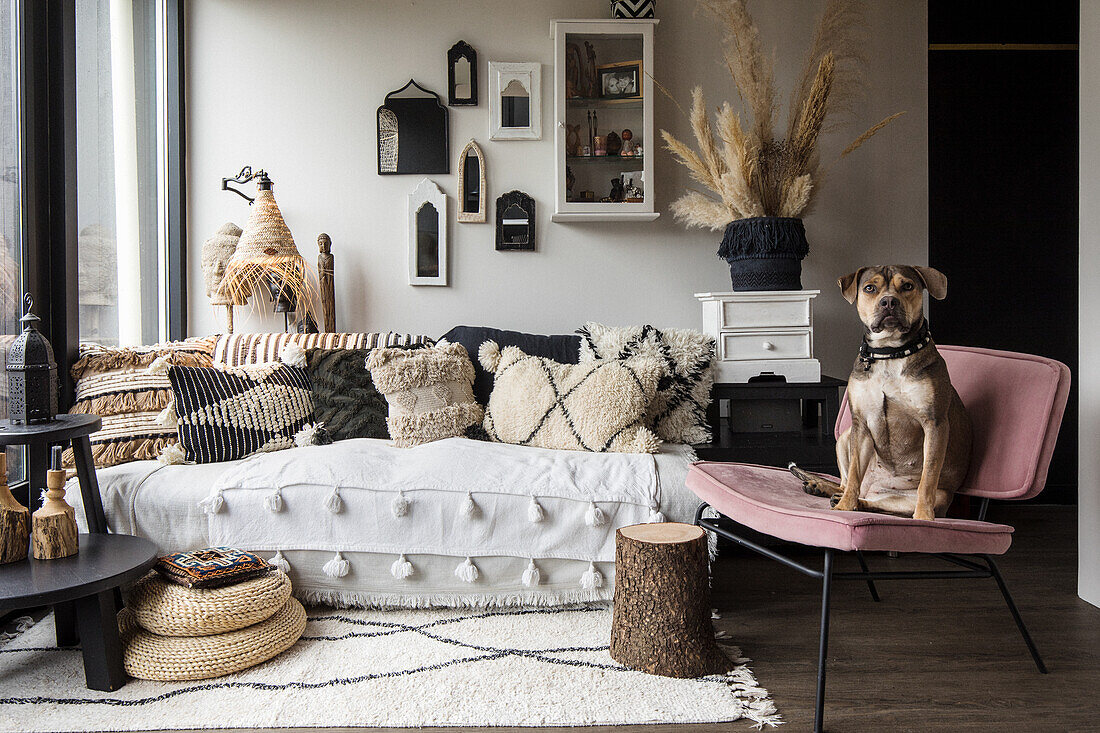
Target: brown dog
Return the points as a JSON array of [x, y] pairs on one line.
[[908, 448]]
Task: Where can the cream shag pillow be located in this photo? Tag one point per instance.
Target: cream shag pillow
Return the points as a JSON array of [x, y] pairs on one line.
[[593, 407], [678, 412], [429, 392]]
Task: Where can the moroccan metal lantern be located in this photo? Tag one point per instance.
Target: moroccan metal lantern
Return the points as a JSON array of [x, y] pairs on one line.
[[32, 374]]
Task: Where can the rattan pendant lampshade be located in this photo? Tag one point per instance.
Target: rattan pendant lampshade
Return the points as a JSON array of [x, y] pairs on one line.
[[265, 254]]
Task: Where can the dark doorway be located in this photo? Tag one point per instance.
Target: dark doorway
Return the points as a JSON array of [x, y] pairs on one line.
[[1003, 145]]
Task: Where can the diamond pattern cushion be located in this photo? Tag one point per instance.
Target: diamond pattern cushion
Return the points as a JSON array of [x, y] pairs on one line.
[[678, 412], [226, 414], [592, 407]]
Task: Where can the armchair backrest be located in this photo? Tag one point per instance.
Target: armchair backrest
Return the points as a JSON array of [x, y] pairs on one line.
[[1016, 402]]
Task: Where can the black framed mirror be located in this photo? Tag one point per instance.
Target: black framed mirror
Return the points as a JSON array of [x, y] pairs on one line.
[[462, 75], [515, 222], [412, 132]]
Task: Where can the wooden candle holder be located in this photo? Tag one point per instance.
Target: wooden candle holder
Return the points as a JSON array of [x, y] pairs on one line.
[[15, 520], [54, 532]]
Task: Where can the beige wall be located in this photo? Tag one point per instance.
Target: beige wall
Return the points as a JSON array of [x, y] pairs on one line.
[[292, 86], [1088, 374]]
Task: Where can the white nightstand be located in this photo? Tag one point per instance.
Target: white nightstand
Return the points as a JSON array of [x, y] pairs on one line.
[[762, 332]]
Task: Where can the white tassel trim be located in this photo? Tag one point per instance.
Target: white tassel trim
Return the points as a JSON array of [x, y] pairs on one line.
[[213, 503], [591, 579], [293, 355], [594, 516], [280, 562], [531, 576], [334, 503], [467, 571], [274, 501], [160, 365], [401, 568], [656, 517], [167, 417], [308, 435], [469, 507], [534, 511], [400, 505], [172, 455], [337, 567]]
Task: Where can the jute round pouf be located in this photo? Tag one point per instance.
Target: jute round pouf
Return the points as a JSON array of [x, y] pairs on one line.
[[169, 609], [148, 656]]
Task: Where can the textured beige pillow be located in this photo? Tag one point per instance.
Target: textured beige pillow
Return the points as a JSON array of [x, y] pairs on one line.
[[429, 392], [597, 407]]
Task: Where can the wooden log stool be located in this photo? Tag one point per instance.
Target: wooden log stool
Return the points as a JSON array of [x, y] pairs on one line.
[[662, 618]]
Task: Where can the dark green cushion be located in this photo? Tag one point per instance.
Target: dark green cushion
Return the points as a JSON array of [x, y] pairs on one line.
[[344, 397]]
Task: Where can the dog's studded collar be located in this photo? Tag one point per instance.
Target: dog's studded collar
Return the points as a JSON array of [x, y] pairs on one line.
[[868, 355]]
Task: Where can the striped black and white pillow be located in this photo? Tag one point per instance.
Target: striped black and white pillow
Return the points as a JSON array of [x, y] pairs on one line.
[[226, 414], [242, 349]]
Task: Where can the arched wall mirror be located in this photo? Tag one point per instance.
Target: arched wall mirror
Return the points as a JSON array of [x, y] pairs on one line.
[[515, 222], [515, 109], [471, 184], [462, 75], [412, 132], [427, 235]]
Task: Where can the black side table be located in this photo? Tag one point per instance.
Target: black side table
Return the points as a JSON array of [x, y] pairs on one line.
[[86, 581], [39, 437], [813, 447]]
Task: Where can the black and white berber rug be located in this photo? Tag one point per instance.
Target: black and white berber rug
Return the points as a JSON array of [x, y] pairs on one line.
[[539, 667]]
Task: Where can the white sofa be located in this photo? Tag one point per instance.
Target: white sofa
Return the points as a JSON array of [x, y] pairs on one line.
[[283, 502]]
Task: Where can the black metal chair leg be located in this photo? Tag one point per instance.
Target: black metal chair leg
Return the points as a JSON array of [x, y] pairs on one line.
[[823, 644], [1016, 614], [870, 583]]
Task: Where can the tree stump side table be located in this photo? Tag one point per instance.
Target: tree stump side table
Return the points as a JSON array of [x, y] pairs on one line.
[[662, 618]]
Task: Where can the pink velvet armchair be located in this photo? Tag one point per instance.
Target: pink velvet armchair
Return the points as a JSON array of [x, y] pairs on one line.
[[1015, 402]]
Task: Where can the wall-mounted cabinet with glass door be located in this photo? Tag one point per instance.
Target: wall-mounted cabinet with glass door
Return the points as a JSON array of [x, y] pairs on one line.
[[603, 126]]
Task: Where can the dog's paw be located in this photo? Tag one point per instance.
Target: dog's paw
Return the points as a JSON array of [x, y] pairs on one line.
[[923, 514], [833, 501], [812, 488]]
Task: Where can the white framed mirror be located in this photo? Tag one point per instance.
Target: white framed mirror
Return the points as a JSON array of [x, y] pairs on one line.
[[515, 101], [471, 184], [427, 235]]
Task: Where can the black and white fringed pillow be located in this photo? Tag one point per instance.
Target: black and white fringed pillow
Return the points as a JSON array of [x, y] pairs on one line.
[[226, 414], [678, 413]]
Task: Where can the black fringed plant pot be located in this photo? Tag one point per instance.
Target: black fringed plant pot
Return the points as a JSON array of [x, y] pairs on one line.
[[765, 252]]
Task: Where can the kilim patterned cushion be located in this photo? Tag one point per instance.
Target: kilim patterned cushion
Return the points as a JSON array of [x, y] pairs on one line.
[[429, 391], [678, 412], [119, 386], [597, 406], [226, 414], [212, 567], [242, 349], [344, 396]]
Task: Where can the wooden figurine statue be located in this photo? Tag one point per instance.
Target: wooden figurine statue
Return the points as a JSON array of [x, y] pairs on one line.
[[326, 277], [15, 520], [53, 532]]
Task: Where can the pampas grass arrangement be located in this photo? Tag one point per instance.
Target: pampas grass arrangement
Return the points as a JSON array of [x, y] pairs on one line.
[[750, 170]]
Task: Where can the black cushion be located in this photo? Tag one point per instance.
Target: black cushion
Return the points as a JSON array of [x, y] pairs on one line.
[[562, 348], [344, 396]]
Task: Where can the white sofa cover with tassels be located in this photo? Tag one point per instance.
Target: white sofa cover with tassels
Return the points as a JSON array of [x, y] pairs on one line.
[[455, 522]]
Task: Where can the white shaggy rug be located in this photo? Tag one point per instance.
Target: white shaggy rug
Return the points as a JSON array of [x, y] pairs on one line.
[[537, 667]]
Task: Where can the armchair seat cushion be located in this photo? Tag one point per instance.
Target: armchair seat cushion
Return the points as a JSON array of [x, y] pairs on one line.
[[771, 500]]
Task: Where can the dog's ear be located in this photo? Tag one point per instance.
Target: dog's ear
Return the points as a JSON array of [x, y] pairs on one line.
[[849, 285], [935, 282]]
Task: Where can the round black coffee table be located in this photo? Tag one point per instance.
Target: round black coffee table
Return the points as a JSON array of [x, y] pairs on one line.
[[38, 437], [85, 582]]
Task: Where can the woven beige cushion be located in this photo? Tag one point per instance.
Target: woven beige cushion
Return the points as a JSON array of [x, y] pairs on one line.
[[150, 657], [169, 609]]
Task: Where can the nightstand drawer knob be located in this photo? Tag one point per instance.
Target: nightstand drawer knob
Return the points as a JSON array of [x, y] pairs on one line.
[[768, 346]]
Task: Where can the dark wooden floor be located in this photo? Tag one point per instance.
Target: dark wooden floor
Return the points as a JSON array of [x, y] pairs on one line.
[[933, 655]]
